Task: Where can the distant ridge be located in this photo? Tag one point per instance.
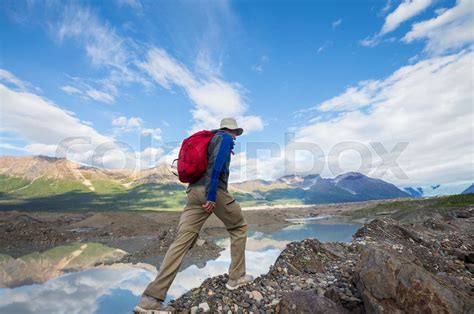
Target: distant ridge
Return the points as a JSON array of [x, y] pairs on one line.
[[45, 181]]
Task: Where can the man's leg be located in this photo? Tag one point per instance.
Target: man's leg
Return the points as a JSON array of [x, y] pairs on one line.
[[238, 239], [229, 212], [191, 221], [171, 263]]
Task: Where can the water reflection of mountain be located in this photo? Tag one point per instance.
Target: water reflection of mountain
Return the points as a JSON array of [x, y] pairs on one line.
[[40, 267]]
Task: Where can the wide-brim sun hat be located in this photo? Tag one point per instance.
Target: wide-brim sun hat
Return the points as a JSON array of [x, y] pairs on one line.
[[231, 124]]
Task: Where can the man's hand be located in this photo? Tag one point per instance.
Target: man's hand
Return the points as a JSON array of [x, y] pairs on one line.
[[209, 206]]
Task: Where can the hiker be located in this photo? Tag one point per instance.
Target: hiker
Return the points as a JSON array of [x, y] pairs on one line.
[[205, 196]]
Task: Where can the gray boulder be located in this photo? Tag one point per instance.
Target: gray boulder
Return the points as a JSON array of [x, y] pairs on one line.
[[390, 283], [308, 302]]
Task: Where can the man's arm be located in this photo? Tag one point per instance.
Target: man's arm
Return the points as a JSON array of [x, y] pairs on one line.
[[222, 149]]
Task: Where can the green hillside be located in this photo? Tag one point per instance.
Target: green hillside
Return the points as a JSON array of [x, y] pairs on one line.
[[45, 183], [65, 195], [416, 207]]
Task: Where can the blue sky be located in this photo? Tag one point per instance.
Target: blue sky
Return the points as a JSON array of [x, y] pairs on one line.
[[147, 73]]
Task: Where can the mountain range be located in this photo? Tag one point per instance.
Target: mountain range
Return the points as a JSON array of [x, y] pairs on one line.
[[49, 183]]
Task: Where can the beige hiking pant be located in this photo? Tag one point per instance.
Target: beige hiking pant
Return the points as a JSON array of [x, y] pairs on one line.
[[191, 221]]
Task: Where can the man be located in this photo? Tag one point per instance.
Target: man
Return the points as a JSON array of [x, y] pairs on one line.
[[206, 196]]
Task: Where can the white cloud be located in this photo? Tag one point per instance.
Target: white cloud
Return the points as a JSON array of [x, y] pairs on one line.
[[86, 91], [154, 133], [405, 11], [71, 90], [134, 4], [259, 67], [42, 123], [50, 130], [264, 167], [451, 29], [150, 157], [8, 77], [336, 23], [386, 7], [214, 98], [369, 41], [100, 96], [104, 47], [324, 46], [10, 146], [427, 104], [123, 124], [353, 97], [133, 122], [102, 44]]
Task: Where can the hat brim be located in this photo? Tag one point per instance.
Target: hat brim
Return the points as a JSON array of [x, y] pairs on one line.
[[238, 130]]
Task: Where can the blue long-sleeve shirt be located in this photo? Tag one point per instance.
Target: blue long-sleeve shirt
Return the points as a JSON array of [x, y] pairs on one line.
[[217, 173]]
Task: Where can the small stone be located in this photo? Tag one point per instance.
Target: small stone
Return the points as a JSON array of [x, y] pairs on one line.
[[205, 307], [256, 295], [470, 267], [210, 293], [458, 253], [194, 310], [279, 269], [244, 304], [469, 257], [310, 281], [200, 242]]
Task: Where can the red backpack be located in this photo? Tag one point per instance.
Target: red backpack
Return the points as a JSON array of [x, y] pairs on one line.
[[192, 160]]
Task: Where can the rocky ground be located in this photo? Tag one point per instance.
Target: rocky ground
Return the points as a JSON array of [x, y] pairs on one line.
[[414, 261], [144, 235], [391, 266]]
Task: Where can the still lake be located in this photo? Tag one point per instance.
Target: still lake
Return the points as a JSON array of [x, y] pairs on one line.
[[117, 288]]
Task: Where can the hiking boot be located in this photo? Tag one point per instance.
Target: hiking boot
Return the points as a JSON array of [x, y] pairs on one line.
[[150, 305], [234, 284]]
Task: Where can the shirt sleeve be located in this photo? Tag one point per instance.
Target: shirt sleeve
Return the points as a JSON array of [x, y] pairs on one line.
[[222, 151]]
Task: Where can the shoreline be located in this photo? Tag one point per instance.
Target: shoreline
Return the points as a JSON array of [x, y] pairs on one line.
[[147, 233]]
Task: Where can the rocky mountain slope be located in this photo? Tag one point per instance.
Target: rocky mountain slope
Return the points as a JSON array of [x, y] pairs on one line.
[[391, 266], [314, 189], [41, 182], [32, 168]]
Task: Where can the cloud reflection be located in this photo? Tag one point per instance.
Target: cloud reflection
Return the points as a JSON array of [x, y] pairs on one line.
[[117, 288]]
